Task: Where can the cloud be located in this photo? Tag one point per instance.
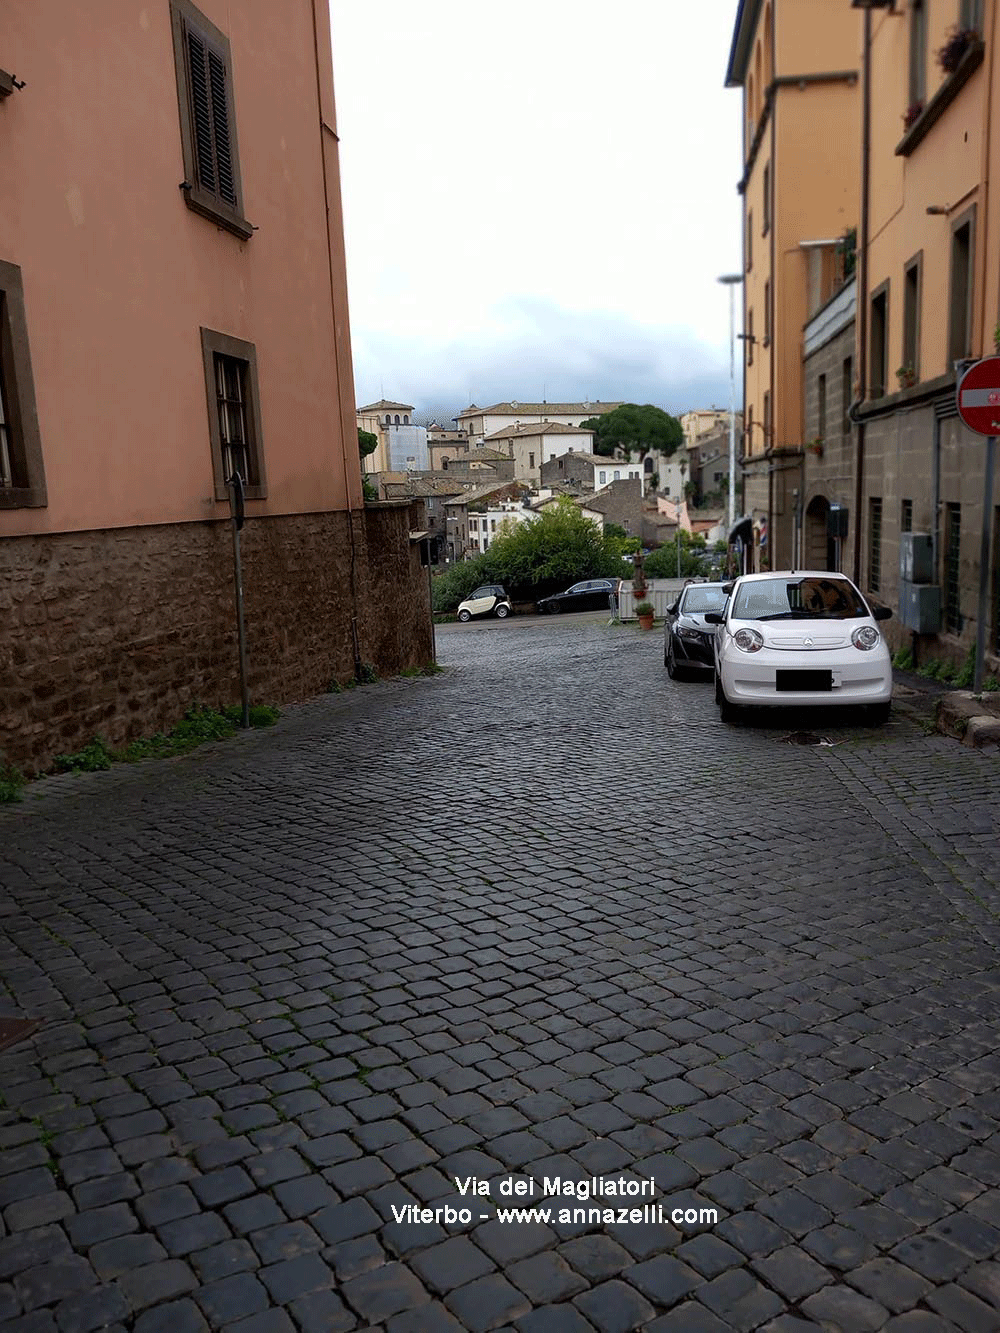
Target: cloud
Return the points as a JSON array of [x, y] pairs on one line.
[[534, 349]]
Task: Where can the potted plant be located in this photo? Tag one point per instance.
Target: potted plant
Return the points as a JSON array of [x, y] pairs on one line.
[[911, 113], [959, 40], [907, 376], [816, 447], [645, 613], [996, 339]]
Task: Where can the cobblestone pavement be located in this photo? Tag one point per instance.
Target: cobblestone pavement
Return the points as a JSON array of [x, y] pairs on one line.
[[541, 916]]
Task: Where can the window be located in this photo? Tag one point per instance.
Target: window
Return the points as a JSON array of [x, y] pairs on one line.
[[918, 52], [234, 413], [749, 337], [204, 69], [602, 478], [531, 460], [911, 321], [879, 342], [618, 475], [767, 420], [749, 240], [766, 226], [397, 419], [473, 524], [906, 516], [767, 313], [847, 395], [22, 476], [748, 442], [960, 295], [821, 406], [874, 543], [952, 553]]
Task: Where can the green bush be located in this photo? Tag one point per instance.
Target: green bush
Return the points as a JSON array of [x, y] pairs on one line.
[[903, 659], [966, 673], [92, 758], [11, 782], [531, 559]]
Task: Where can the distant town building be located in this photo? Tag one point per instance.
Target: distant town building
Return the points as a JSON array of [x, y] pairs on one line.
[[479, 422]]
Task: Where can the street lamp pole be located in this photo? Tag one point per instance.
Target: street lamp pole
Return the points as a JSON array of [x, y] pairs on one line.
[[731, 279]]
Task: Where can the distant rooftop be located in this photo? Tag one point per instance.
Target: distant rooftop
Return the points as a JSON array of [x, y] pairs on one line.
[[539, 428], [539, 409], [383, 405]]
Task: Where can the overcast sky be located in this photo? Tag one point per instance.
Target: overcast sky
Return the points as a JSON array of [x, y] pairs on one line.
[[539, 197]]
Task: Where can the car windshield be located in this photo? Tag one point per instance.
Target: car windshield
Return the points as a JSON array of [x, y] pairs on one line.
[[799, 599], [703, 599]]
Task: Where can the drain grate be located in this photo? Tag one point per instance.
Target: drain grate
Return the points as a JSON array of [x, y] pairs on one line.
[[806, 738], [13, 1030]]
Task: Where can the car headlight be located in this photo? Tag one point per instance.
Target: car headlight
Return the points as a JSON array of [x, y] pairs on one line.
[[865, 637], [685, 633], [748, 640]]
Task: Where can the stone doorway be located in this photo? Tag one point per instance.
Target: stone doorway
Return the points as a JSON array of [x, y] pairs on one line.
[[820, 549]]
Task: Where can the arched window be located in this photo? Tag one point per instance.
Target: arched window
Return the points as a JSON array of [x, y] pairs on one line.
[[397, 418], [388, 419], [406, 418]]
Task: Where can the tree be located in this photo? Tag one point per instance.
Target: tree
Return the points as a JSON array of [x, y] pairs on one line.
[[634, 428], [367, 442], [531, 559], [662, 564]]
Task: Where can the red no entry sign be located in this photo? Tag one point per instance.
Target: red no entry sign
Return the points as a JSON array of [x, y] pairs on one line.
[[979, 396]]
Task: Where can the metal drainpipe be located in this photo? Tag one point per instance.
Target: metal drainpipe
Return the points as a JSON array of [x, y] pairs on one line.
[[862, 270]]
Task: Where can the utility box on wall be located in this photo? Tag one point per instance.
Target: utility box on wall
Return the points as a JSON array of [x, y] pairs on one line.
[[916, 557], [920, 606]]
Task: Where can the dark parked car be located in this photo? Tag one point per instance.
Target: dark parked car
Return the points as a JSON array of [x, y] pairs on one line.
[[688, 642], [590, 595]]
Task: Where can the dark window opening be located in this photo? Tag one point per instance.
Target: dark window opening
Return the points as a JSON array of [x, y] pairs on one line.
[[22, 475], [874, 543], [766, 226], [847, 394], [910, 368], [234, 413], [952, 553], [879, 344], [906, 516], [821, 406], [960, 299], [918, 53]]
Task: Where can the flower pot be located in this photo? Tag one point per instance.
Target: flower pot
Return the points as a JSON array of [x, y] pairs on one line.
[[646, 622]]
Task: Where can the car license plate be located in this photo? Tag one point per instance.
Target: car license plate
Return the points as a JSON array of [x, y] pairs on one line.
[[803, 680]]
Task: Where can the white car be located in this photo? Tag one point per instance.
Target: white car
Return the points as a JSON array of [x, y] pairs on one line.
[[489, 600], [802, 638]]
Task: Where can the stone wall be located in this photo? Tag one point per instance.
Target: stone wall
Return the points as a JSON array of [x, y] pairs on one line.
[[115, 633]]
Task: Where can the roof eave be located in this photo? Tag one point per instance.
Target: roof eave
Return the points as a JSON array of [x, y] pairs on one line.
[[739, 52]]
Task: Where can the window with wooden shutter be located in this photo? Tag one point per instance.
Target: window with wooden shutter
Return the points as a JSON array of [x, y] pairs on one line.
[[208, 124]]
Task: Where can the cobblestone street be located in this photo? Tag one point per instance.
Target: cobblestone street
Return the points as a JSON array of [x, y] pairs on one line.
[[539, 916]]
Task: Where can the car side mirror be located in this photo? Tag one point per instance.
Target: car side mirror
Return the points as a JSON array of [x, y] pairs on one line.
[[727, 588], [673, 609], [882, 613], [714, 618]]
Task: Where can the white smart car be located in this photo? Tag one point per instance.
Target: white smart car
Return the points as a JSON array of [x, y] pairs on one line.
[[802, 638]]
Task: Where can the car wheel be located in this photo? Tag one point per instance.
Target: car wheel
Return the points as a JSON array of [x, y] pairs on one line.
[[728, 713], [879, 713], [503, 612], [464, 616], [670, 663]]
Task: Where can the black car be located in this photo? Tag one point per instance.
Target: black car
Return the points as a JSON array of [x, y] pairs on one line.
[[590, 595], [688, 642]]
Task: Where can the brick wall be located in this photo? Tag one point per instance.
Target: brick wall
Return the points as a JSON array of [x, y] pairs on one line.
[[115, 633]]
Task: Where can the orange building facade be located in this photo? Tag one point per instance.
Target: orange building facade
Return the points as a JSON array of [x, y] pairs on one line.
[[797, 67], [928, 302], [174, 310]]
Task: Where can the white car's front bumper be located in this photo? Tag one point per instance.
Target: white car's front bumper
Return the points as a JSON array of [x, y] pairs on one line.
[[856, 677]]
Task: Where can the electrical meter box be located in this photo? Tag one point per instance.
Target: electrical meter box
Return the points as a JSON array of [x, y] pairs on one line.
[[920, 606], [916, 563]]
